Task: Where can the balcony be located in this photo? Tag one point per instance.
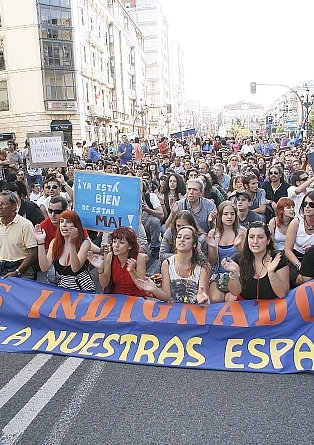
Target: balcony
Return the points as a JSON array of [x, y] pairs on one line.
[[101, 112], [4, 105], [132, 94]]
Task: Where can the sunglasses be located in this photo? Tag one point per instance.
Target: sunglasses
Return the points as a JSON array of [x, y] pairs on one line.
[[274, 173], [55, 211], [306, 203], [54, 187], [304, 179]]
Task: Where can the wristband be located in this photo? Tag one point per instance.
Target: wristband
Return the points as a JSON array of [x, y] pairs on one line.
[[40, 244], [298, 265], [236, 276]]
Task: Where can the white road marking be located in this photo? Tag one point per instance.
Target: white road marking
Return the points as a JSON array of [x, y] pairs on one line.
[[16, 427], [68, 415], [21, 378]]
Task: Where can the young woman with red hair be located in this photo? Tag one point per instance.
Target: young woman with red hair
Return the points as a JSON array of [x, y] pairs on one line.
[[280, 223], [67, 252]]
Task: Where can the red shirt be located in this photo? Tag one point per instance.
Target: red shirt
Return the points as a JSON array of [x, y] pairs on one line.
[[123, 283]]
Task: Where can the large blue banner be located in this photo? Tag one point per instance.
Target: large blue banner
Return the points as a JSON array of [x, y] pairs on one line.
[[275, 336], [105, 202]]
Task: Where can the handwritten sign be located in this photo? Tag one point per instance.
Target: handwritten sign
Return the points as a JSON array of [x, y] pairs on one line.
[[46, 149], [105, 202]]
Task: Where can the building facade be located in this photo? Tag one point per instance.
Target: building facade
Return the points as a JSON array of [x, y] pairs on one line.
[[288, 111], [151, 20], [248, 115], [76, 66]]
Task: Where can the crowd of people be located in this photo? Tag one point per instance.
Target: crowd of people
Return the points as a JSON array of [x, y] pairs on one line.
[[225, 218]]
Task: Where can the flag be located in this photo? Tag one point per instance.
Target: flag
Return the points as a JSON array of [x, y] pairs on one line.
[[299, 135]]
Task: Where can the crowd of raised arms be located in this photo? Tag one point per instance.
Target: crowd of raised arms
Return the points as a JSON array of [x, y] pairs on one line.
[[224, 219]]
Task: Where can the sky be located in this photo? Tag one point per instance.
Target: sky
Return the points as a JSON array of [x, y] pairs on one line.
[[227, 44]]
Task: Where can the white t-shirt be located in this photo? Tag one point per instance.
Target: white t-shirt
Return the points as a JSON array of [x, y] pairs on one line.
[[154, 202], [46, 201], [179, 150], [297, 198]]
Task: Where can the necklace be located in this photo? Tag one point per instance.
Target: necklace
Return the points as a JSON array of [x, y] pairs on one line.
[[258, 280], [185, 283], [308, 226]]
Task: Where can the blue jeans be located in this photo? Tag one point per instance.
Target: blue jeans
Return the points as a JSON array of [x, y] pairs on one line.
[[32, 179]]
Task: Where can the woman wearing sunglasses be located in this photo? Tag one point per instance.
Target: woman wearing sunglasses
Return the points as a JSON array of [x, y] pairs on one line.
[[300, 237]]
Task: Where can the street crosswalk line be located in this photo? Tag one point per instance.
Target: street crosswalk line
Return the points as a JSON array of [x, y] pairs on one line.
[[22, 377], [66, 419], [20, 422]]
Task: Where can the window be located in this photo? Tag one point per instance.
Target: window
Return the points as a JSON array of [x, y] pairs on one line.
[[147, 16], [59, 85], [145, 3], [4, 101], [149, 30], [82, 17], [86, 93], [2, 61], [57, 54], [150, 44], [151, 58]]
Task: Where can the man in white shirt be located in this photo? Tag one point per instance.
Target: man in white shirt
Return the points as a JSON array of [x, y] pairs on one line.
[[300, 181], [247, 148], [54, 186]]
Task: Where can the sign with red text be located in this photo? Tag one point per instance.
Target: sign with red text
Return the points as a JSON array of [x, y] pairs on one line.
[[275, 336]]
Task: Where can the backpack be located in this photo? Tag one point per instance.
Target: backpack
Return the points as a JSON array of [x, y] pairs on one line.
[[147, 200]]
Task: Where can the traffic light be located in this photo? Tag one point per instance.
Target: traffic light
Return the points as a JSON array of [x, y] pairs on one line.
[[253, 87]]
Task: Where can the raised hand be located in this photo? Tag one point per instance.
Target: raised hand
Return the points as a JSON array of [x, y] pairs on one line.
[[145, 284], [40, 234], [212, 216], [174, 207], [73, 234], [95, 260], [131, 265], [273, 263], [211, 240], [60, 177], [239, 238], [229, 265]]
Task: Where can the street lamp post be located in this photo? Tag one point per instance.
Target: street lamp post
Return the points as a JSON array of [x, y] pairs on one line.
[[307, 104], [142, 109], [284, 110]]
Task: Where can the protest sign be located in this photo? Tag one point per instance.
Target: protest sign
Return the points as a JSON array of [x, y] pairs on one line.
[[275, 336], [46, 149], [105, 202]]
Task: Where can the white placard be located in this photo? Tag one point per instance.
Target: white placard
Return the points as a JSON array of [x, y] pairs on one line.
[[46, 149]]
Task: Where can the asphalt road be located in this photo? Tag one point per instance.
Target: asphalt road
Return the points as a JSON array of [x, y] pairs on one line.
[[58, 400]]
